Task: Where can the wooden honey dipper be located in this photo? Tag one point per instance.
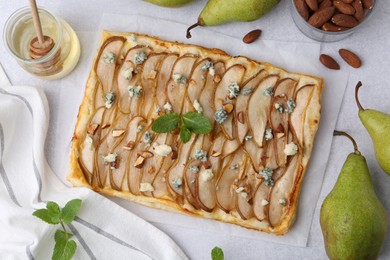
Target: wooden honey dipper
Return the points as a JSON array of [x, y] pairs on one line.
[[41, 45]]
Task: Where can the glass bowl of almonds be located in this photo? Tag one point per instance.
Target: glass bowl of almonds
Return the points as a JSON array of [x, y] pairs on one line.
[[330, 20]]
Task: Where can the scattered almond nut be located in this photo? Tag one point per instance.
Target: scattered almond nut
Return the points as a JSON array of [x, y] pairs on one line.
[[351, 58], [368, 4], [330, 27], [91, 129], [130, 146], [359, 11], [251, 36], [320, 17], [344, 20], [312, 4], [139, 163], [240, 117], [344, 8], [302, 8], [325, 3], [329, 62], [228, 107], [117, 133], [279, 135]]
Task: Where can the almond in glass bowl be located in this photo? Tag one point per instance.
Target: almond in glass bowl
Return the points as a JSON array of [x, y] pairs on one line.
[[330, 20]]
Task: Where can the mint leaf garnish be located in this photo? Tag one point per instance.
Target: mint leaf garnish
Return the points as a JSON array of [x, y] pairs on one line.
[[185, 134], [217, 254], [64, 248], [197, 123], [44, 215], [166, 123], [70, 210], [191, 122], [54, 211]]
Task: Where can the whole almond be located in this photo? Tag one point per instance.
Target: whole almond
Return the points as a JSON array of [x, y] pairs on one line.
[[368, 4], [351, 58], [359, 12], [251, 36], [325, 3], [330, 27], [347, 1], [312, 4], [344, 20], [302, 8], [329, 62], [321, 16], [344, 8]]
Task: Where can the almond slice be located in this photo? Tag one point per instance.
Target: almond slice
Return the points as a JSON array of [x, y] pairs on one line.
[[228, 107], [240, 117], [91, 129], [147, 154], [139, 163], [130, 146], [117, 133]]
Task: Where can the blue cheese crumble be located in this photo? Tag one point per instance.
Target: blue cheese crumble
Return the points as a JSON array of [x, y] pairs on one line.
[[147, 138], [135, 91], [268, 92], [140, 57], [179, 79], [268, 134], [267, 175], [200, 155], [283, 202], [109, 97], [177, 182], [168, 107], [193, 168], [109, 158], [220, 116], [234, 166], [109, 57], [140, 128], [233, 90], [279, 107], [128, 73], [290, 106], [247, 91], [248, 137]]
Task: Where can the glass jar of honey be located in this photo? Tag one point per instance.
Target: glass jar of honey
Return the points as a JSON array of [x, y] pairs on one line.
[[19, 37]]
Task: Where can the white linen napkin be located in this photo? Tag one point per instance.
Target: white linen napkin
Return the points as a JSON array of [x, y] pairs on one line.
[[102, 230]]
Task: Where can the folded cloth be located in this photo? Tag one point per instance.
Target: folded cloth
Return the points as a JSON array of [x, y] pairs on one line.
[[102, 229]]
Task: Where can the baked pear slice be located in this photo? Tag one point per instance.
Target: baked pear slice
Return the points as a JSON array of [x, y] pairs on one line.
[[257, 116], [223, 96]]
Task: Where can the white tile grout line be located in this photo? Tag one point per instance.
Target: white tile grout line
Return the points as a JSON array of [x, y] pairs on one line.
[[4, 81]]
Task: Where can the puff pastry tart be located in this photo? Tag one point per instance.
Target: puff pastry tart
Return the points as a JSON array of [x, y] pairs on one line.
[[248, 171]]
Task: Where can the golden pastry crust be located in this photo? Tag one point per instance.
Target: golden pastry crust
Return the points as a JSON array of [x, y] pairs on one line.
[[302, 125]]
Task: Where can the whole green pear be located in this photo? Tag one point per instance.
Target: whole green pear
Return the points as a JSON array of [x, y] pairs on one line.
[[378, 126], [169, 3], [221, 11], [353, 220]]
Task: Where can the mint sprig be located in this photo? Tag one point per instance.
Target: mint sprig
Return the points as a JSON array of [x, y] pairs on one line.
[[190, 122], [64, 248], [217, 254]]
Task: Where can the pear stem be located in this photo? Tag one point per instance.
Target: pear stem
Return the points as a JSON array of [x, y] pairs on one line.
[[341, 133], [358, 85], [188, 35]]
